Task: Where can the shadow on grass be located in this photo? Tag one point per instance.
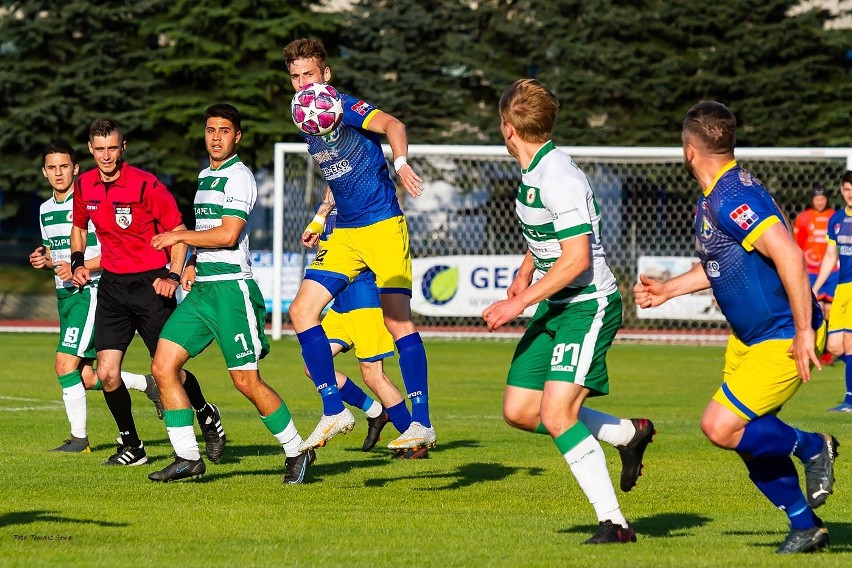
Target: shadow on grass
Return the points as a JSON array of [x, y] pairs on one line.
[[29, 517], [463, 476], [840, 534], [661, 525]]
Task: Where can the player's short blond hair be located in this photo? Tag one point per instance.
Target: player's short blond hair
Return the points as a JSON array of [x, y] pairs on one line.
[[306, 48], [531, 108]]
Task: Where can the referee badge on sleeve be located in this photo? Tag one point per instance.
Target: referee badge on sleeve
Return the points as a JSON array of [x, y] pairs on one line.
[[123, 216]]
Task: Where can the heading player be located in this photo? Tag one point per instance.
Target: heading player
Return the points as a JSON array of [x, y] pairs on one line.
[[371, 234]]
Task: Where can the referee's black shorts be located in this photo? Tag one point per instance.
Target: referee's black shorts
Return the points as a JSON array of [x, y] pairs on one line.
[[127, 303]]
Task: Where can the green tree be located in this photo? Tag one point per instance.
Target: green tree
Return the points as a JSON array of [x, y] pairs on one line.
[[63, 64], [214, 52]]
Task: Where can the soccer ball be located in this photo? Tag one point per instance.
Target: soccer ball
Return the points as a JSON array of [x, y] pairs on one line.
[[317, 109]]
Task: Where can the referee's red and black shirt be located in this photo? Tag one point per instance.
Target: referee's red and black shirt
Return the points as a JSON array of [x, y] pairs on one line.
[[126, 213]]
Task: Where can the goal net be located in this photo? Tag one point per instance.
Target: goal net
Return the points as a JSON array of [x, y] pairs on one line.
[[466, 244]]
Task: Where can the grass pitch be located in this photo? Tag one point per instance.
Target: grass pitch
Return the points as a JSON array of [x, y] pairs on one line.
[[488, 496]]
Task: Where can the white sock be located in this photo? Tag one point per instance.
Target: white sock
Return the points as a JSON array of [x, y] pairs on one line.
[[607, 428], [134, 381], [588, 464], [74, 398], [290, 440], [374, 410], [184, 442]]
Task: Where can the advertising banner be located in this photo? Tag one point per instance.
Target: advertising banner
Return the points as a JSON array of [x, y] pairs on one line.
[[462, 286], [291, 275]]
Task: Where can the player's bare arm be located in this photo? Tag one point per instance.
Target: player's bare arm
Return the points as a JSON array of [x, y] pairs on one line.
[[778, 245], [40, 258], [575, 258], [524, 277], [166, 286], [650, 292], [829, 261], [311, 234], [394, 129], [81, 275]]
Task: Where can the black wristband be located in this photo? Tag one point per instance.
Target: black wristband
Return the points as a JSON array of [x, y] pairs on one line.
[[173, 276], [77, 261]]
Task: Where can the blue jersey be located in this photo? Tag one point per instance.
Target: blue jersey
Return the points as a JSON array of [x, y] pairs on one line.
[[732, 214], [354, 166], [362, 292], [840, 233]]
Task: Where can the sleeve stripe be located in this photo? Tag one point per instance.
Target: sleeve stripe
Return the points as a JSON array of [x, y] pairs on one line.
[[757, 232]]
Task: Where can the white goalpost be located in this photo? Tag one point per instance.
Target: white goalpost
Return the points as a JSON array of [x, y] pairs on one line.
[[463, 232]]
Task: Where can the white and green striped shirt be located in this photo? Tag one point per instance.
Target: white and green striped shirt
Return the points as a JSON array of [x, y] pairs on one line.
[[227, 191], [56, 220], [554, 203]]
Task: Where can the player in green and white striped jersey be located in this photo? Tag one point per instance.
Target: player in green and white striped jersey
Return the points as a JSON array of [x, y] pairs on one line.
[[224, 304], [561, 359], [76, 306]]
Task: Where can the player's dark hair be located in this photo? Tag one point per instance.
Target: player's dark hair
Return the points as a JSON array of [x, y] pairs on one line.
[[531, 108], [104, 127], [306, 48], [714, 125], [847, 177], [226, 111], [59, 147]]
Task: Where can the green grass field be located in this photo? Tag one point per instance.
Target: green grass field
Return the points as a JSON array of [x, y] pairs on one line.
[[488, 496]]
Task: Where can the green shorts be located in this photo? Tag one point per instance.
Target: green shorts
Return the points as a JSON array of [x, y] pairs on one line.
[[230, 311], [77, 321], [567, 342]]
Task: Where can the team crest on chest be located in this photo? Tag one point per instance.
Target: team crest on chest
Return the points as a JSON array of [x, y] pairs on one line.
[[70, 216], [123, 216], [530, 195]]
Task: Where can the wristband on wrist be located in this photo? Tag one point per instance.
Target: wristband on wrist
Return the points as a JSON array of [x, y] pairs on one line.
[[399, 162], [316, 226], [173, 276], [77, 260]]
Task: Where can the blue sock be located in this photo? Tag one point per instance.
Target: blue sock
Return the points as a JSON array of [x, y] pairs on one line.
[[317, 355], [399, 416], [412, 363], [776, 478], [848, 398], [353, 395], [768, 436]]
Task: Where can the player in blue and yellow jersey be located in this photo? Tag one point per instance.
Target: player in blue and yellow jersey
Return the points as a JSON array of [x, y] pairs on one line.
[[757, 273], [354, 321], [839, 240], [371, 234]]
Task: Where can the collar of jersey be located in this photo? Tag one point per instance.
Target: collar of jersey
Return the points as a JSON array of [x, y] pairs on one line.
[[727, 167], [70, 195], [119, 181], [229, 162], [539, 154]]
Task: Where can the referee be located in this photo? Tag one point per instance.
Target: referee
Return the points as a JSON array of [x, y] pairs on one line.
[[127, 207]]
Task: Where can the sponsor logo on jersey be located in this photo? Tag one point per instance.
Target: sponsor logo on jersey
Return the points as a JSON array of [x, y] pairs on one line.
[[744, 216], [361, 107], [123, 217], [711, 267], [337, 169], [91, 206]]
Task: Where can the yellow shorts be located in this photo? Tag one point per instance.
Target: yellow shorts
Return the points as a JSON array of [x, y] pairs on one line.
[[382, 247], [840, 317], [758, 380], [364, 329]]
